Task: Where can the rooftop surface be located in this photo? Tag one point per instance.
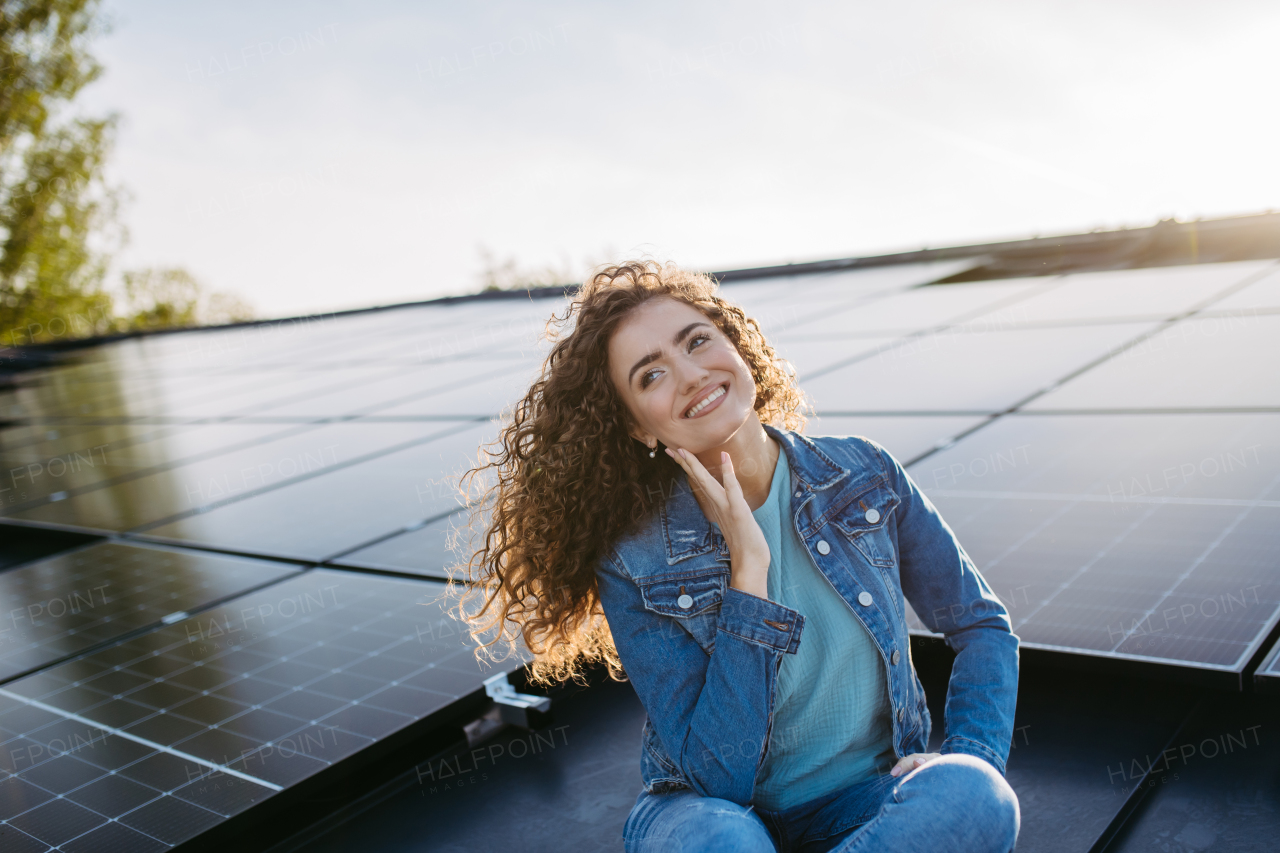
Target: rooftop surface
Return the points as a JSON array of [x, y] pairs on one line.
[[222, 554]]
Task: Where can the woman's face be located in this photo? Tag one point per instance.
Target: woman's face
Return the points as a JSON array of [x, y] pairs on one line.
[[683, 381]]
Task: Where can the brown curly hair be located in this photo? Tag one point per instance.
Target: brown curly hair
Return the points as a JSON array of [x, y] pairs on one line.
[[565, 479]]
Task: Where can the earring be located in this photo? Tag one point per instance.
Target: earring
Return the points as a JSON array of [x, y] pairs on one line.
[[653, 452]]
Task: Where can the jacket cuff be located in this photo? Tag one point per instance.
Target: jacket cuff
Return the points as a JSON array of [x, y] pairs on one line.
[[760, 620], [964, 745]]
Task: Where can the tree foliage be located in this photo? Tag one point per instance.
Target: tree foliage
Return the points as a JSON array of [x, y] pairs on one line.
[[168, 297], [58, 216], [510, 274]]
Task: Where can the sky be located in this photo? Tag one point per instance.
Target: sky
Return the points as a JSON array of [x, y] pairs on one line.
[[325, 155]]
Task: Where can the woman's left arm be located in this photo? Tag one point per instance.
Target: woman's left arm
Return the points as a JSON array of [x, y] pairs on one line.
[[952, 598]]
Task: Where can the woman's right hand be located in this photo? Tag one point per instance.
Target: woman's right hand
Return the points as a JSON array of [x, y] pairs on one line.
[[725, 505]]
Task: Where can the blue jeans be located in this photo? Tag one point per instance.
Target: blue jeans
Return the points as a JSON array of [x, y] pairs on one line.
[[957, 803]]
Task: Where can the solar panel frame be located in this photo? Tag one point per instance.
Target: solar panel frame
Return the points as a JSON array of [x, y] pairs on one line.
[[1266, 678]]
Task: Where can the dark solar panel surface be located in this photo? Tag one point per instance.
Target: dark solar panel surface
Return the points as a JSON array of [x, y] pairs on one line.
[[429, 550], [1142, 536], [62, 605], [70, 460], [323, 516], [293, 454], [148, 743]]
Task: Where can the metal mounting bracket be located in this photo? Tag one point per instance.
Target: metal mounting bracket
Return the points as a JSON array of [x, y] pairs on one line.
[[518, 709]]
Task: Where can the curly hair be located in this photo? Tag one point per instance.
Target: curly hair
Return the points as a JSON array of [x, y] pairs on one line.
[[565, 479]]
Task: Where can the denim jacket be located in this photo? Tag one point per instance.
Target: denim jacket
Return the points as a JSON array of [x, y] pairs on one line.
[[704, 656]]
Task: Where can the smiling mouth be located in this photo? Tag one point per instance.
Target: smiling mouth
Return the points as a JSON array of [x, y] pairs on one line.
[[706, 401]]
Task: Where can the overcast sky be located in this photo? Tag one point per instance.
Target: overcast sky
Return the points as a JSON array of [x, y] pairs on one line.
[[321, 155]]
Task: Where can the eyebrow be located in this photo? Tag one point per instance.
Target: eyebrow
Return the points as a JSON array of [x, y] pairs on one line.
[[649, 358]]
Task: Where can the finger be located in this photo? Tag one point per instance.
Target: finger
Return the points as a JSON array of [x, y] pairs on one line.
[[907, 764], [697, 485], [732, 488], [705, 480]]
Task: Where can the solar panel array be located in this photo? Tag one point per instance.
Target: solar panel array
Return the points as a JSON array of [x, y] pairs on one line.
[[149, 742], [1102, 444]]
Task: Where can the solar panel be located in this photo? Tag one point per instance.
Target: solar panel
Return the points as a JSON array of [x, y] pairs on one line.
[[1261, 295], [429, 385], [1267, 676], [114, 453], [963, 371], [16, 437], [813, 356], [295, 455], [1141, 537], [908, 311], [68, 603], [159, 738], [761, 296], [272, 390], [482, 398], [324, 516], [1154, 293], [426, 550], [1201, 362], [904, 437], [40, 461]]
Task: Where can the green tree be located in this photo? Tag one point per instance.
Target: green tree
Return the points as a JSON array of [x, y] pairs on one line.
[[58, 216], [167, 297]]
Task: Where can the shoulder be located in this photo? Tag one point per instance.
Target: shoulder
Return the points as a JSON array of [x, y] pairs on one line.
[[853, 448], [634, 548], [854, 452]]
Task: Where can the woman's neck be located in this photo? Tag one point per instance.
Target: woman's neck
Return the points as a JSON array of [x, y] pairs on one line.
[[754, 455]]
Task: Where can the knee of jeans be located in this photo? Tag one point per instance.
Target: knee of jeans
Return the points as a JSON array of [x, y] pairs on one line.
[[691, 822], [984, 795], [731, 827]]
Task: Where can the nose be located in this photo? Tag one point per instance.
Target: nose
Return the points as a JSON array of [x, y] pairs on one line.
[[690, 374]]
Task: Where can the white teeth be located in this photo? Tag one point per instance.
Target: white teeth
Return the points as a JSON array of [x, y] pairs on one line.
[[705, 401]]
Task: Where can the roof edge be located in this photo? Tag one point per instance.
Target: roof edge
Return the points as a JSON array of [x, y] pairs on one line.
[[1168, 242]]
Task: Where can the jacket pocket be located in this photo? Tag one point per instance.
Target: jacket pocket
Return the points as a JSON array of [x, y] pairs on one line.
[[865, 522], [692, 600]]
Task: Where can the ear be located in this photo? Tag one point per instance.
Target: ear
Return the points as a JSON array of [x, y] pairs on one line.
[[645, 438]]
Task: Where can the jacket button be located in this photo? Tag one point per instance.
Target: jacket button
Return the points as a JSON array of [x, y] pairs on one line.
[[872, 516], [685, 601], [823, 548], [799, 493], [899, 715], [864, 598], [894, 658]]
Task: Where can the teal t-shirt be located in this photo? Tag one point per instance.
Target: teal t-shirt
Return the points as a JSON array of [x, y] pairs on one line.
[[832, 723]]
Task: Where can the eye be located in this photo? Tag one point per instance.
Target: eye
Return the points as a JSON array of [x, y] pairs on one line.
[[648, 376], [697, 340]]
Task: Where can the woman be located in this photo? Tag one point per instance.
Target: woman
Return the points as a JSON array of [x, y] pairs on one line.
[[652, 508]]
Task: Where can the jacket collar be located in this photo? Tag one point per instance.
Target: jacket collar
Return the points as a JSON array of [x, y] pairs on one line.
[[687, 532]]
